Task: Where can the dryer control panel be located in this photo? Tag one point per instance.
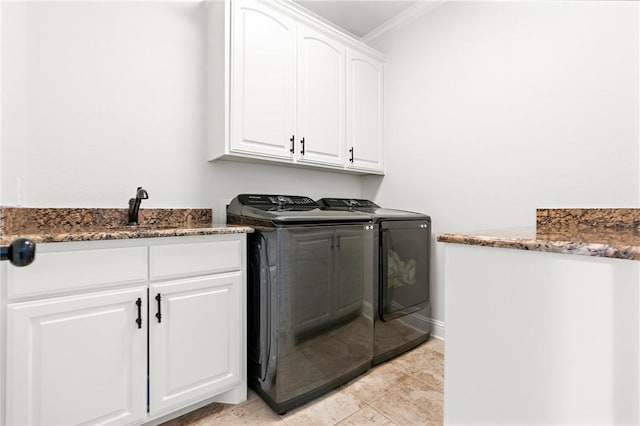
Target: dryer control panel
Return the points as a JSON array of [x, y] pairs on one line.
[[350, 203]]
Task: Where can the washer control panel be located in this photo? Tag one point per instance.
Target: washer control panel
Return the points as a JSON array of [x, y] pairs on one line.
[[268, 202]]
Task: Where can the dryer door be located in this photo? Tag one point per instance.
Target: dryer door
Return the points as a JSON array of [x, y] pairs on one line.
[[404, 267]]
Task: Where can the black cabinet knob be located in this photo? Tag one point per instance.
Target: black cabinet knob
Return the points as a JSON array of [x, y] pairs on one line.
[[21, 252]]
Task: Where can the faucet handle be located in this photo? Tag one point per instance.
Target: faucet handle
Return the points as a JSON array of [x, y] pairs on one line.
[[142, 194], [134, 205]]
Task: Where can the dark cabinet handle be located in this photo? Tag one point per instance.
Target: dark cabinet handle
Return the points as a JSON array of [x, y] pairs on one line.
[[159, 313], [302, 150], [293, 144], [351, 151], [139, 305], [21, 252]]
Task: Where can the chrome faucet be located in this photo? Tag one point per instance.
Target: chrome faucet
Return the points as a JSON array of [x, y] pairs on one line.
[[134, 205]]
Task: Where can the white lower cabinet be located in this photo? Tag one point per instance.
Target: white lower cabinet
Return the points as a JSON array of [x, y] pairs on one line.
[[183, 366], [77, 360], [149, 348]]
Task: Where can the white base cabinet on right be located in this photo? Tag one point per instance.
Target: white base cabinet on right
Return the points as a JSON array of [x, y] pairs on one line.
[[540, 338], [183, 365]]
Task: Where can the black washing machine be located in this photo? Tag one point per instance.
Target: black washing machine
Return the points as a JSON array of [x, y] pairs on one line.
[[310, 302], [401, 288]]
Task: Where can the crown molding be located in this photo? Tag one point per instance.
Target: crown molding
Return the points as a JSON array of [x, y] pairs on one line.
[[405, 17], [326, 25]]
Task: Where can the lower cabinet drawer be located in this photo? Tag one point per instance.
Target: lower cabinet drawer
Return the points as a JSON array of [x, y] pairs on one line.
[[195, 258], [57, 271]]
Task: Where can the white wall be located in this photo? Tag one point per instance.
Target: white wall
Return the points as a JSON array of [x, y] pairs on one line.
[[108, 96], [496, 108]]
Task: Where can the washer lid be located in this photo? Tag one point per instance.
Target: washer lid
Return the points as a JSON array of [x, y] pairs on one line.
[[288, 209], [392, 214], [367, 206]]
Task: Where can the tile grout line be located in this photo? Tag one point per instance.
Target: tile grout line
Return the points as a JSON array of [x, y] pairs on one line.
[[430, 385], [358, 410], [382, 393], [380, 412]]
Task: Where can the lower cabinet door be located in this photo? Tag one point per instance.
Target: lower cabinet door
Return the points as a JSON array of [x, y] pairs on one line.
[[195, 339], [77, 359]]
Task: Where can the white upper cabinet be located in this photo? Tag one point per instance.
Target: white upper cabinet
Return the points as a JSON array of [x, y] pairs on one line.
[[321, 100], [364, 112], [263, 80], [282, 87]]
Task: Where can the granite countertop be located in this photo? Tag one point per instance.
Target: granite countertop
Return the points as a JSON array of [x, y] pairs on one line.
[[49, 225], [612, 233]]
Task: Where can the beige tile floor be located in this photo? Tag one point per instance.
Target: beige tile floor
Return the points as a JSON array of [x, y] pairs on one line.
[[407, 390]]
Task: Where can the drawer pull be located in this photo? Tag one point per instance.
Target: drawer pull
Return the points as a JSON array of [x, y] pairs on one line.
[[159, 313], [20, 252], [139, 305]]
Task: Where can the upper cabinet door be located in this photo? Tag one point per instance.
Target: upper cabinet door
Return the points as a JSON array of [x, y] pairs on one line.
[[321, 99], [364, 112], [263, 80]]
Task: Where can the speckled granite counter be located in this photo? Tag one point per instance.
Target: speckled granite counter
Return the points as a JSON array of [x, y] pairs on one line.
[[612, 233], [48, 225]]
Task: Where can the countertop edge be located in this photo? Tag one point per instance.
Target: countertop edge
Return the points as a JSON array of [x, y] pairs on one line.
[[627, 252], [105, 235]]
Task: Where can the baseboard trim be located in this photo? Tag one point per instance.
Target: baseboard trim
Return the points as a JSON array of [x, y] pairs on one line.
[[418, 322], [437, 329]]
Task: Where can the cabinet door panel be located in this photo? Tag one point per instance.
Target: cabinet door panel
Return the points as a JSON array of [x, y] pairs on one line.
[[77, 360], [350, 269], [263, 83], [195, 348], [321, 98], [365, 112], [308, 274]]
